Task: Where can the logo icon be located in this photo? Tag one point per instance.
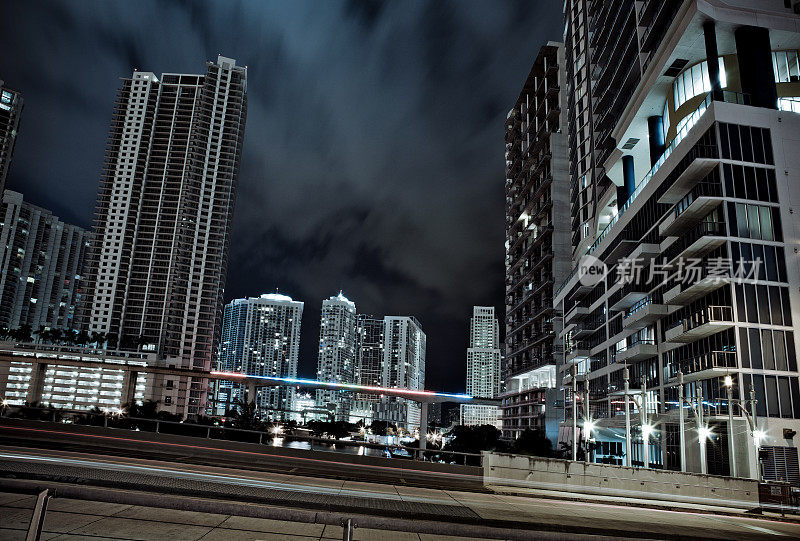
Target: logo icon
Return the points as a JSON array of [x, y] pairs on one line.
[[591, 271]]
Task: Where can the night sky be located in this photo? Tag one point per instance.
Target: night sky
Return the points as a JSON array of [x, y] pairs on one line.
[[373, 158]]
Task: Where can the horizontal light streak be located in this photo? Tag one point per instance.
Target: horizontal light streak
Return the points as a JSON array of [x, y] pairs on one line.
[[336, 385]]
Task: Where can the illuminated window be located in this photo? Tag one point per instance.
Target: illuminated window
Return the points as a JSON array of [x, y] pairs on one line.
[[694, 81], [786, 66]]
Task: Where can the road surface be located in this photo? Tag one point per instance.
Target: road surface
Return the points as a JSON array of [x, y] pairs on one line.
[[526, 514]]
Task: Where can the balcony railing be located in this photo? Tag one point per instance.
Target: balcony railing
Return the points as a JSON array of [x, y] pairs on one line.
[[704, 361]]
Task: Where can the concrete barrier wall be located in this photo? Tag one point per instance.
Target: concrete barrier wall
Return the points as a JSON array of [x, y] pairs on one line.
[[502, 470]]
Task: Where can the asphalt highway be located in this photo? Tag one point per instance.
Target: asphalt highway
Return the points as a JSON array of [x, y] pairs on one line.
[[287, 489]]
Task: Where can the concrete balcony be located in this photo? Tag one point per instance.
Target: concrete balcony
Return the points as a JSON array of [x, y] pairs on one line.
[[706, 322], [694, 173], [631, 294], [707, 235], [683, 294], [579, 353], [643, 349], [678, 222], [576, 313], [704, 366], [645, 252], [644, 316]]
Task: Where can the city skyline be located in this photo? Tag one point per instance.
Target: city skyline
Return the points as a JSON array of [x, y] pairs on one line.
[[456, 261]]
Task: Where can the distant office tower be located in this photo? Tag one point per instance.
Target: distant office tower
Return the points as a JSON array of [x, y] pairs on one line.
[[483, 367], [337, 353], [10, 111], [41, 260], [260, 337], [403, 367], [695, 136], [163, 218], [537, 244], [369, 365]]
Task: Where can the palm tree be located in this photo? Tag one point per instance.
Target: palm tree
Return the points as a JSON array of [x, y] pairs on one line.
[[98, 339], [56, 336], [244, 415], [24, 333], [82, 338], [45, 335]]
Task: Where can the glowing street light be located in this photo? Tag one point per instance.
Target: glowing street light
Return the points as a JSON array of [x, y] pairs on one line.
[[704, 433], [647, 430], [589, 426], [758, 436]]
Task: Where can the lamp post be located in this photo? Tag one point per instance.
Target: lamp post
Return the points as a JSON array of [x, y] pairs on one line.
[[626, 377], [574, 372], [681, 434], [587, 425], [702, 431], [757, 435], [731, 448], [646, 429]]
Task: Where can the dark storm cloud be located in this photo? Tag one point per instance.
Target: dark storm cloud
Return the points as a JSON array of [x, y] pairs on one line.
[[373, 160]]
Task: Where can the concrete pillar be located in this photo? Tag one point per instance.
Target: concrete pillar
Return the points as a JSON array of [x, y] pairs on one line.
[[36, 383], [656, 137], [712, 58], [128, 388], [755, 66], [628, 181]]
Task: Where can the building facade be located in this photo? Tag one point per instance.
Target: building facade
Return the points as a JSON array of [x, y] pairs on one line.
[[538, 252], [337, 354], [483, 367], [10, 112], [41, 262], [157, 267], [260, 337], [369, 365], [685, 281], [403, 367]]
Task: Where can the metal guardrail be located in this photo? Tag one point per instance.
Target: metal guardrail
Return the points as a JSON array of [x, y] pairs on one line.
[[218, 432]]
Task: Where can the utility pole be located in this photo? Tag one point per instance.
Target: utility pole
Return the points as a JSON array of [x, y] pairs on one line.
[[626, 377]]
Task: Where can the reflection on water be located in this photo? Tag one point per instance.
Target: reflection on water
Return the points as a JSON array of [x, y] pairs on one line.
[[321, 446]]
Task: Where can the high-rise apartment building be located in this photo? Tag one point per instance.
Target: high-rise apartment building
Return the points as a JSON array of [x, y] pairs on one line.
[[403, 367], [260, 337], [685, 276], [369, 364], [537, 243], [10, 111], [337, 353], [483, 367], [162, 225], [41, 262]]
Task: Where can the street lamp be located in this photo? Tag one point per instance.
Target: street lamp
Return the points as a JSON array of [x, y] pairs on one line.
[[642, 405], [703, 432], [731, 449]]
